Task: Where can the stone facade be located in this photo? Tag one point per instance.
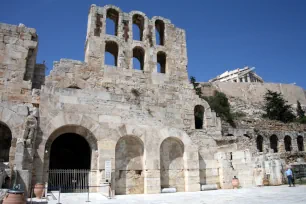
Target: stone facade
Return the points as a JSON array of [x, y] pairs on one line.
[[143, 121]]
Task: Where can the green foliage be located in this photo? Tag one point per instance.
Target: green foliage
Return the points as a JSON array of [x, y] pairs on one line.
[[276, 107], [300, 111], [218, 102]]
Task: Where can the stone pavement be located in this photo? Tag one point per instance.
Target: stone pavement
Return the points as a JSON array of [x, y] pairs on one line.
[[256, 195]]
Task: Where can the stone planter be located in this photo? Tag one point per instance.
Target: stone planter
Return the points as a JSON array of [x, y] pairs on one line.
[[14, 197], [265, 182], [39, 190], [235, 182]]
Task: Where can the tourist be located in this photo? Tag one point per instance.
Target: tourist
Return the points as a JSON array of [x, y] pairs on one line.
[[289, 176]]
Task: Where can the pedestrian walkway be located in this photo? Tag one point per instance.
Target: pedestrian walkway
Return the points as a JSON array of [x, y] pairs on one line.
[[256, 195]]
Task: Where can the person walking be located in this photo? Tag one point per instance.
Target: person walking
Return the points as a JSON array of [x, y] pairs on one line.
[[289, 176]]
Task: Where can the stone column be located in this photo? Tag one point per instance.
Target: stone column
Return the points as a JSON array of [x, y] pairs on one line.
[[294, 145], [281, 145], [192, 177]]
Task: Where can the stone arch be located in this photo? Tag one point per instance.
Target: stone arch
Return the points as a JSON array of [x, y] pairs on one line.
[[139, 22], [15, 123], [139, 54], [172, 174], [162, 62], [190, 156], [112, 48], [300, 143], [288, 143], [5, 143], [129, 157], [56, 132], [160, 32], [113, 15], [259, 143], [199, 116], [274, 143]]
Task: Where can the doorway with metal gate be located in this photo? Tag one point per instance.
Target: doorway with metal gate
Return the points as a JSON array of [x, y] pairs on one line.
[[69, 168]]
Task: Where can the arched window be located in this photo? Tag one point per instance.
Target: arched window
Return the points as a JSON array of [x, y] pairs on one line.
[[5, 143], [138, 58], [111, 53], [288, 144], [300, 143], [161, 62], [274, 143], [259, 143], [198, 116], [112, 18], [138, 25], [160, 32]]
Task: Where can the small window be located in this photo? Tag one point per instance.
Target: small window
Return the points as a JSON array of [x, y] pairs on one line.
[[138, 25], [259, 143], [288, 144], [198, 116], [274, 143], [300, 143], [138, 58], [161, 62], [160, 32], [112, 18], [111, 53]]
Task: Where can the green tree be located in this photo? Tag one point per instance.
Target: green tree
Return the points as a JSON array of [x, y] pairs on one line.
[[300, 111], [276, 107], [218, 102]]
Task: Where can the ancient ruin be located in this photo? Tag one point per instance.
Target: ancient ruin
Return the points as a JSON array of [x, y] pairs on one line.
[[149, 123], [246, 74]]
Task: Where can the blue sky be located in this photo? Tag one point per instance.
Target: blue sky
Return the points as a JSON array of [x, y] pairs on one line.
[[221, 34]]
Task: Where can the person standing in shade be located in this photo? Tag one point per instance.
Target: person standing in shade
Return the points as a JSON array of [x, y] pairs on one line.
[[289, 176]]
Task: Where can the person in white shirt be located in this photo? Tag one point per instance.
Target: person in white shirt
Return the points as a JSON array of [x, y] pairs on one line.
[[289, 177]]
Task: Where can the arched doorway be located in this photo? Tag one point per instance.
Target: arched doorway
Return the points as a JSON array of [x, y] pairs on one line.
[[300, 143], [5, 142], [70, 151], [259, 143], [71, 159], [274, 143], [172, 164], [288, 143], [129, 166]]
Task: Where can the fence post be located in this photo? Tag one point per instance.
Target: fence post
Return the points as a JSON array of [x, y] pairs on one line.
[[59, 196], [87, 194], [31, 193]]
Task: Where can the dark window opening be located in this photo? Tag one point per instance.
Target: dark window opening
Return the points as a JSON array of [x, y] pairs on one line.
[[287, 141], [111, 53], [161, 62], [274, 143], [112, 18], [199, 116], [70, 151], [74, 87], [300, 143], [259, 143], [5, 143], [138, 27], [138, 58], [160, 32]]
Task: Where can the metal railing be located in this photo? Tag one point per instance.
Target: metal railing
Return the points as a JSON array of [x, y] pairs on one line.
[[70, 180]]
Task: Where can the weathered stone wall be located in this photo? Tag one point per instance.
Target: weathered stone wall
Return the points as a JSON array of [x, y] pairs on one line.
[[143, 121]]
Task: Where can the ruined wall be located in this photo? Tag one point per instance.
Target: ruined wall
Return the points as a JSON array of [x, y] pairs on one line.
[[113, 102], [173, 46]]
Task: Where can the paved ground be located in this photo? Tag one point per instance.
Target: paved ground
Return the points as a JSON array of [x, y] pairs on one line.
[[256, 195]]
